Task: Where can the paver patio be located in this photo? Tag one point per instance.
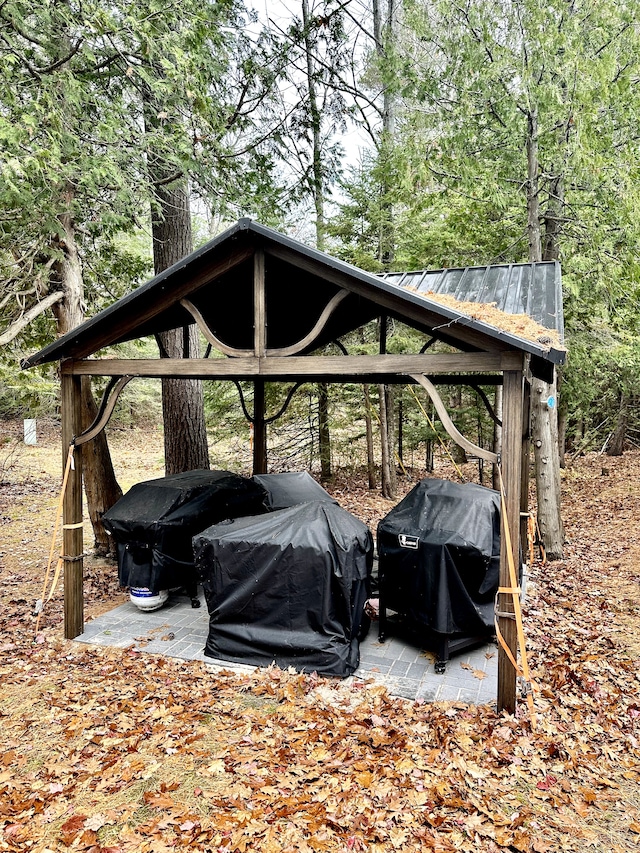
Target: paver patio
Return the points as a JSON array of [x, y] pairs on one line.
[[180, 631]]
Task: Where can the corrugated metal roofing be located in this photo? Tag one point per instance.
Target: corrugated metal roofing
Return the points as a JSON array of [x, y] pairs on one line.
[[533, 289]]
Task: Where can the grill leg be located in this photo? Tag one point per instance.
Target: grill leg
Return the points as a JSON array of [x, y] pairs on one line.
[[382, 621], [442, 656]]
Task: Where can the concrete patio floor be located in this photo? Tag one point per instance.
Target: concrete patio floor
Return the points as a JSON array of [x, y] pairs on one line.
[[180, 631]]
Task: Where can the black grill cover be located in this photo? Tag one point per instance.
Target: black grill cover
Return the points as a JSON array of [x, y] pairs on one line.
[[287, 587], [153, 524], [291, 488], [439, 557]]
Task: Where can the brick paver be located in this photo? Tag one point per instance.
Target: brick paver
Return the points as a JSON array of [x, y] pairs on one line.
[[178, 630]]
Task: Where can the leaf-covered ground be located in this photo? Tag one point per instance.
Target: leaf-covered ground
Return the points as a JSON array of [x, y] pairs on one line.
[[107, 750]]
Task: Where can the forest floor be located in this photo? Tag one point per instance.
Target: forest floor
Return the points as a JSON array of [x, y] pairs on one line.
[[111, 751]]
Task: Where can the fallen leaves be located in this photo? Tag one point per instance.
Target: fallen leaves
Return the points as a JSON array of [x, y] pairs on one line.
[[520, 325], [108, 751]]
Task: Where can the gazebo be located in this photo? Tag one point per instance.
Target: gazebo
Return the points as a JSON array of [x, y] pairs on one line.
[[269, 304]]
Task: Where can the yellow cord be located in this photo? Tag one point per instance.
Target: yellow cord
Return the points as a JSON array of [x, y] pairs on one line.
[[44, 597]]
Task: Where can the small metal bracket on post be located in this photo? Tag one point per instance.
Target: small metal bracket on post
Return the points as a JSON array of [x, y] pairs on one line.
[[505, 614]]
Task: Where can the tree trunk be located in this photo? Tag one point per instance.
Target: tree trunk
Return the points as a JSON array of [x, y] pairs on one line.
[[317, 173], [544, 419], [371, 463], [562, 438], [390, 405], [400, 427], [384, 30], [533, 189], [619, 437], [497, 436], [458, 453], [387, 443], [545, 450], [185, 435], [387, 462], [317, 192], [100, 484]]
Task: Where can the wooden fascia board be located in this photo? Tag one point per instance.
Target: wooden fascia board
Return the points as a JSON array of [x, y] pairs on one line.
[[398, 304], [174, 292], [125, 319], [275, 368]]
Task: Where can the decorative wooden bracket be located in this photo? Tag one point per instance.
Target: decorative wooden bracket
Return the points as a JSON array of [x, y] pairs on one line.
[[107, 405], [317, 329], [448, 424], [280, 411], [279, 351], [206, 331]]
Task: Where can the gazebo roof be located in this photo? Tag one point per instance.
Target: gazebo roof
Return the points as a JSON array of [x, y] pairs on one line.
[[218, 281]]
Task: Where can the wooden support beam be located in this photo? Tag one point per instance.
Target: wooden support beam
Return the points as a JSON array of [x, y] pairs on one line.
[[276, 368], [259, 306], [526, 461], [471, 448], [72, 539], [511, 468], [259, 429]]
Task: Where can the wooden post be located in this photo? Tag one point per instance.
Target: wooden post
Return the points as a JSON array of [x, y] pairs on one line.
[[511, 467], [260, 350], [259, 429], [72, 539], [526, 457]]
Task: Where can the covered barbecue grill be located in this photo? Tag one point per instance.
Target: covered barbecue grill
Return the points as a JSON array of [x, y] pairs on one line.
[[287, 587], [439, 558], [153, 524], [291, 488]]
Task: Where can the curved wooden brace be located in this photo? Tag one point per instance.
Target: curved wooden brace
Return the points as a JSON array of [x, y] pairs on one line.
[[107, 405], [487, 403], [317, 329], [285, 405], [206, 331], [273, 418], [448, 424]]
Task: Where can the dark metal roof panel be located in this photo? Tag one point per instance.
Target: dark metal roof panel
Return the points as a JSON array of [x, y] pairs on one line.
[[534, 289]]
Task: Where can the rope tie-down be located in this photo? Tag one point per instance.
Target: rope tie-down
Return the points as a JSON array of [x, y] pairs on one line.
[[110, 397], [522, 671]]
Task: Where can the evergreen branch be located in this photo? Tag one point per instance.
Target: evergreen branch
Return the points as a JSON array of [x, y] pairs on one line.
[[162, 182], [60, 62], [23, 60], [341, 85], [22, 33]]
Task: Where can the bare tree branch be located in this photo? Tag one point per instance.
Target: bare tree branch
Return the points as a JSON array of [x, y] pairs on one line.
[[23, 321]]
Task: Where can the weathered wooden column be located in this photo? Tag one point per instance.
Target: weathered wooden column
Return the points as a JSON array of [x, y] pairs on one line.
[[526, 462], [511, 475], [259, 429], [260, 350], [72, 538]]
